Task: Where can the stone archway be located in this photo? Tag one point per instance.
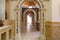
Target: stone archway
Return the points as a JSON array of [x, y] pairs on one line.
[[41, 16], [29, 20], [33, 14]]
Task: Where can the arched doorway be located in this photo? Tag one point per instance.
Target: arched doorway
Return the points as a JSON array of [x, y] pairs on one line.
[[32, 4], [30, 16]]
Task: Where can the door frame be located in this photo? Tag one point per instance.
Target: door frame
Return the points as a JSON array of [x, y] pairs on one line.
[[33, 13], [41, 17]]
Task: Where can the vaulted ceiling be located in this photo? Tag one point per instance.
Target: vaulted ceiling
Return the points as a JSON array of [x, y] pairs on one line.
[[29, 3]]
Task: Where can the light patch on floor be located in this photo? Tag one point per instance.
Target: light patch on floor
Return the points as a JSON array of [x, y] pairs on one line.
[[28, 32]]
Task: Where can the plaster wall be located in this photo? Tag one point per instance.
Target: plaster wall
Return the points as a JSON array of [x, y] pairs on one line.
[[2, 9]]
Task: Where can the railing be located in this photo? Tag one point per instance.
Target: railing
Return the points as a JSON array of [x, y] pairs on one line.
[[6, 33]]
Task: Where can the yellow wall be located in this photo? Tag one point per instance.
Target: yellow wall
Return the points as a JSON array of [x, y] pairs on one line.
[[13, 5], [7, 8], [48, 12], [10, 6]]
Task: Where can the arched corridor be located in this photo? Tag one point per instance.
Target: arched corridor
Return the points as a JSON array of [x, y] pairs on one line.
[[30, 20]]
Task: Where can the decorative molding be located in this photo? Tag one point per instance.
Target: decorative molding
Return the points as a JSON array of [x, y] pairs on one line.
[[17, 9], [41, 9], [41, 15], [14, 0], [52, 22], [45, 0]]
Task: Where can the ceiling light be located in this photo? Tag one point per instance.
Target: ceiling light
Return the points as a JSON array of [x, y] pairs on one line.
[[30, 7]]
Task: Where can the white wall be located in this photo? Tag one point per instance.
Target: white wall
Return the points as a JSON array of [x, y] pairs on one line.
[[52, 10], [55, 10], [2, 9]]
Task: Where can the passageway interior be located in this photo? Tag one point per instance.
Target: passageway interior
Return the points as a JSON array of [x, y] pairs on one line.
[[30, 29], [29, 32]]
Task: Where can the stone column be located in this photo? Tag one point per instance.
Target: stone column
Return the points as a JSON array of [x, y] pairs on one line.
[[42, 21]]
